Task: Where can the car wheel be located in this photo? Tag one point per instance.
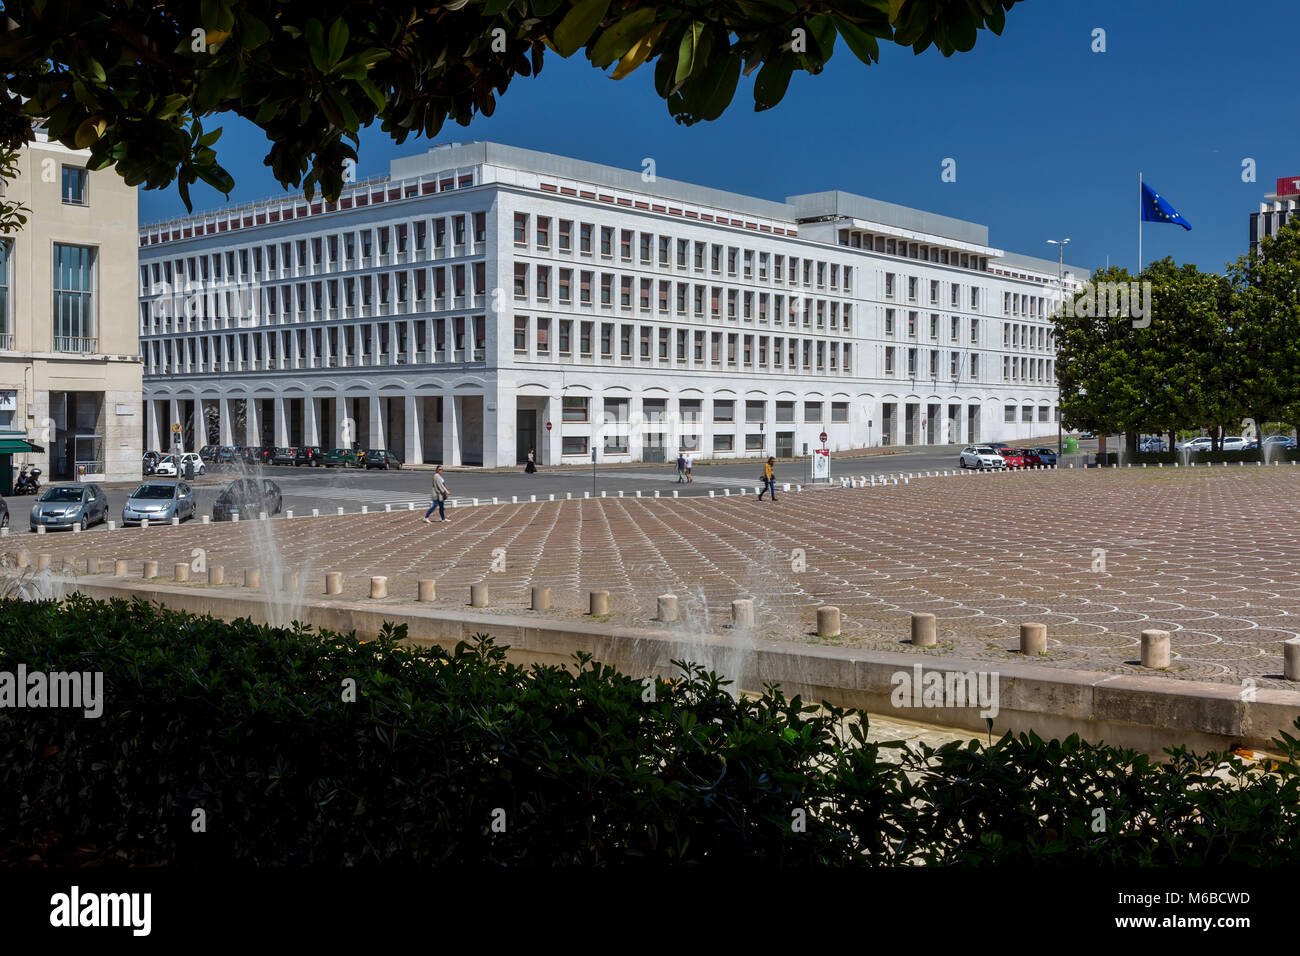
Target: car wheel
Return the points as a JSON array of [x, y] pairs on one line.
[[84, 523], [4, 520]]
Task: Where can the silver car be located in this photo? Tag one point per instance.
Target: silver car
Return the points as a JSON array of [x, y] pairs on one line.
[[159, 501], [62, 506]]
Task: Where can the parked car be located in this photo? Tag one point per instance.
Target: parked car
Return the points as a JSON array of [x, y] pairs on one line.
[[283, 456], [248, 498], [258, 454], [308, 455], [1045, 455], [381, 458], [980, 457], [227, 453], [160, 501], [208, 453], [1203, 443], [149, 461], [1152, 443], [62, 506], [997, 444], [1085, 436], [343, 458], [1031, 457], [1281, 441], [169, 468], [1235, 443], [1012, 457], [4, 514]]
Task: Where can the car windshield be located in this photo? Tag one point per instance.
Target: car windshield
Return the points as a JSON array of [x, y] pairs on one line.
[[239, 490], [167, 460], [62, 494], [154, 492]]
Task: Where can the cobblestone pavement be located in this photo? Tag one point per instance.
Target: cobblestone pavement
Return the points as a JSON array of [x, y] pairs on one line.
[[1210, 554]]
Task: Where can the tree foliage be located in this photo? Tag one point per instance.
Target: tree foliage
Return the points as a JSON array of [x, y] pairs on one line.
[[1219, 348], [134, 82]]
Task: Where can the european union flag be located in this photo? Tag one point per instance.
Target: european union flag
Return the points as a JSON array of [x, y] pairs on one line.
[[1155, 209]]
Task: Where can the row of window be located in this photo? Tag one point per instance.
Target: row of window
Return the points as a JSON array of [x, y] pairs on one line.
[[74, 303], [616, 411], [334, 252], [1017, 336], [670, 251], [336, 346], [1027, 413], [894, 281], [690, 348], [892, 246]]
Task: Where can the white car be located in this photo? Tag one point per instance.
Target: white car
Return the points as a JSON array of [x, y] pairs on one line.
[[1235, 443], [981, 457], [1153, 443], [167, 467], [1196, 444]]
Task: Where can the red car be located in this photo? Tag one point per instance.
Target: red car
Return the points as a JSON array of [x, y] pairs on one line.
[[1013, 457], [1031, 459]]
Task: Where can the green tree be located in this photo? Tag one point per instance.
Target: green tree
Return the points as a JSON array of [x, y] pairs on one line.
[[1263, 349], [134, 82]]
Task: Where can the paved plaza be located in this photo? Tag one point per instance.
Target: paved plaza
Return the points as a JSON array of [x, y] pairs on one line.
[[1210, 554]]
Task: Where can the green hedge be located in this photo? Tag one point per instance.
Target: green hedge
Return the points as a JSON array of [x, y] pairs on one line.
[[1198, 458], [589, 767]]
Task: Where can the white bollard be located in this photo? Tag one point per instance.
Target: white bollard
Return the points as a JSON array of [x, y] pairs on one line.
[[206, 519], [339, 511], [315, 512]]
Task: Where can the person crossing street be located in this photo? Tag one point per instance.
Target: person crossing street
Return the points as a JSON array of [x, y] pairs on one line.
[[769, 480]]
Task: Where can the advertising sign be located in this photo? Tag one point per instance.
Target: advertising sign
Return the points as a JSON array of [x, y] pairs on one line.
[[821, 464]]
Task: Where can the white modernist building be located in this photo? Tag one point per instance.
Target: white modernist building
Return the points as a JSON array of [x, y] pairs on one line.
[[483, 300]]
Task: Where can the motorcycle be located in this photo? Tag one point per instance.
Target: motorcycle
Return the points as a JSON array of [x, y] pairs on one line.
[[29, 481]]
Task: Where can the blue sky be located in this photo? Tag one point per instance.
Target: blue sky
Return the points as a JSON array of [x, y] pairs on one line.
[[1048, 136]]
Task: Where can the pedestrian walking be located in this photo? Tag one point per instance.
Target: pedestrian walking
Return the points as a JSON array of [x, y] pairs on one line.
[[440, 495], [689, 460], [531, 467], [681, 467], [769, 480]]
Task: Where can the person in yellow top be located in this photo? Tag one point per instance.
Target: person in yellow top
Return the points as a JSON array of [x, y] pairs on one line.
[[769, 480]]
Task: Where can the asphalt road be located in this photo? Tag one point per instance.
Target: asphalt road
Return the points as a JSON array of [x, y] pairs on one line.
[[328, 489]]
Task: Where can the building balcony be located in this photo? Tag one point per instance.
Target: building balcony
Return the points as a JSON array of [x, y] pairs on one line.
[[82, 346]]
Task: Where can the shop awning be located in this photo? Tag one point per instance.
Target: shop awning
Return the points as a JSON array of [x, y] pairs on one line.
[[17, 446]]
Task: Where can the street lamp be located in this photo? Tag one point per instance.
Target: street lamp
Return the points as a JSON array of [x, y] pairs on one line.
[[1060, 285]]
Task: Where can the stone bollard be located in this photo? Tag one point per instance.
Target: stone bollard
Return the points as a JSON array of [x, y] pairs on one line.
[[40, 529], [338, 511], [388, 507], [315, 512], [262, 516], [1155, 649], [206, 519], [1033, 638], [923, 630], [288, 515], [22, 560], [43, 561], [1291, 656], [76, 528], [92, 565], [176, 521], [119, 568], [144, 522], [478, 594], [181, 571], [290, 581], [742, 614], [378, 587], [541, 599], [150, 570], [669, 609], [252, 578], [599, 603], [216, 574], [426, 590], [333, 582], [828, 621], [235, 518]]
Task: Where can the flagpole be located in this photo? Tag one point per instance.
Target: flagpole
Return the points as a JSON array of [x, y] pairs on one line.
[[1139, 222]]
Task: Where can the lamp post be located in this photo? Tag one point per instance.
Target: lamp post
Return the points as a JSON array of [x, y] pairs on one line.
[[1060, 285]]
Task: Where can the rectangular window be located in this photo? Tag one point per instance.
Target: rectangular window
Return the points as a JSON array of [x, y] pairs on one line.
[[521, 229], [575, 409], [75, 289], [480, 227], [812, 412], [724, 411], [1027, 413], [839, 411], [756, 411], [521, 334], [76, 183], [566, 235], [566, 334], [543, 336], [723, 442], [543, 232], [1009, 413], [584, 238], [574, 445], [6, 321]]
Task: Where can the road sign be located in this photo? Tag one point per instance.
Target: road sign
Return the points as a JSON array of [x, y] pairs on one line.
[[823, 437], [548, 426], [176, 429]]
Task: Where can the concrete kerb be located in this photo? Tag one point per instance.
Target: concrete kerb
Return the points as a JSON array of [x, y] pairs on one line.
[[1147, 713]]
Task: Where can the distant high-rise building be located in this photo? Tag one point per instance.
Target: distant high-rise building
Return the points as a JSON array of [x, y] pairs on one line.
[[1278, 207]]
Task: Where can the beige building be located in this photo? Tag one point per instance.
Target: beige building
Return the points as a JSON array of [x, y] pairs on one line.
[[70, 371]]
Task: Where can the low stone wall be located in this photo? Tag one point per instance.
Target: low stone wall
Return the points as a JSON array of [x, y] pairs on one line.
[[1145, 713]]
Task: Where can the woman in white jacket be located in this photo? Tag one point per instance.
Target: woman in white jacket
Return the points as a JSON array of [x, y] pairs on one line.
[[440, 494]]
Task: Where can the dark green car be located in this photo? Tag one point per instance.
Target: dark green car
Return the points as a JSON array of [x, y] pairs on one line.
[[381, 458], [343, 458]]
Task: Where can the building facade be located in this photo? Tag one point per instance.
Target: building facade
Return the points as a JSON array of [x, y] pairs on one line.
[[70, 368], [1278, 207], [482, 301]]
